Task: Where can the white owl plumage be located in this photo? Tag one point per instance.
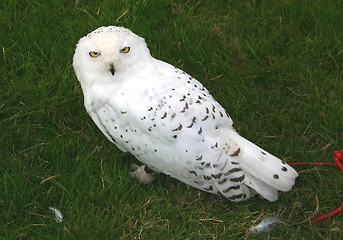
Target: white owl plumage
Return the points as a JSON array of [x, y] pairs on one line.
[[169, 121]]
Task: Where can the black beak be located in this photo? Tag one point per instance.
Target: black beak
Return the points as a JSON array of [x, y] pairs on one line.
[[112, 69]]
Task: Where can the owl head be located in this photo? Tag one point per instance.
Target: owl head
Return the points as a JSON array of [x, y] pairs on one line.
[[108, 52]]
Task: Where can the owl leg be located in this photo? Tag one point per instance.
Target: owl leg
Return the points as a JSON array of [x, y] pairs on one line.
[[143, 173]]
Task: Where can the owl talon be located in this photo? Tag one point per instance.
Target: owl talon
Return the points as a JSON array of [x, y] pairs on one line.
[[143, 174]]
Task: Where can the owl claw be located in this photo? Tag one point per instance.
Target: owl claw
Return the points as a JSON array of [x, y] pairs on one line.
[[143, 174]]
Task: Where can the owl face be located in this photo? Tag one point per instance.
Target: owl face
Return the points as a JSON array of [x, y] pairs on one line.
[[107, 52]]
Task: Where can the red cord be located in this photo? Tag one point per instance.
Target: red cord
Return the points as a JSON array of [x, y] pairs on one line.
[[339, 163]]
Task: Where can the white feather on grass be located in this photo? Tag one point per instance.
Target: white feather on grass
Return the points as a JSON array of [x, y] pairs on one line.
[[57, 213], [267, 224]]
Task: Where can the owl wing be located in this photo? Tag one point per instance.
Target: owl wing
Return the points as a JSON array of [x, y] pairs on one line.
[[176, 127]]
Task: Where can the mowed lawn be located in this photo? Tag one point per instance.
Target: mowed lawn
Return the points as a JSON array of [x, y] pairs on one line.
[[275, 66]]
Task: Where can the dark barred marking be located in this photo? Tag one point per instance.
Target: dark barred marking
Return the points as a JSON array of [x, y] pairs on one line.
[[210, 188], [234, 163], [185, 108], [275, 176], [217, 176], [150, 109], [214, 146], [200, 131], [231, 188], [238, 196], [235, 154], [232, 170], [123, 112], [111, 137], [238, 179], [164, 116], [173, 115], [213, 108], [207, 111], [222, 181], [221, 114], [190, 125], [178, 128], [193, 172], [284, 169], [197, 101], [199, 158], [175, 136], [207, 177], [204, 118], [263, 153]]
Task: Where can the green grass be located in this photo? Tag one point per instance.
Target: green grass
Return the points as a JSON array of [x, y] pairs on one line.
[[276, 66]]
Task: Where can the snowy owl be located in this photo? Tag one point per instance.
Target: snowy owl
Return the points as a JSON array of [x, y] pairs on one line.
[[169, 121]]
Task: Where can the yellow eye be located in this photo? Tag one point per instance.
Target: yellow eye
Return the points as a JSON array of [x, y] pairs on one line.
[[125, 50], [94, 54]]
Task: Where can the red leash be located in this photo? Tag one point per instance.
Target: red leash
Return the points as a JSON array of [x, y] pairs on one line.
[[339, 163]]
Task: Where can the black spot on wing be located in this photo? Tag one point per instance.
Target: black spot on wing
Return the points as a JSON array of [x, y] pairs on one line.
[[232, 170], [222, 181], [236, 153], [237, 179], [238, 196], [164, 116], [193, 172], [236, 187], [178, 128]]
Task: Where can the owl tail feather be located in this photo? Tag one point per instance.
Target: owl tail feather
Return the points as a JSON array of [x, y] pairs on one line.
[[264, 172]]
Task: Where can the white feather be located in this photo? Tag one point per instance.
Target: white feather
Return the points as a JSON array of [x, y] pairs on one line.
[[267, 224], [57, 213]]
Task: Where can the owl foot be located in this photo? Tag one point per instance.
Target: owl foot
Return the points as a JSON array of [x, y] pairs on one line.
[[143, 173]]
